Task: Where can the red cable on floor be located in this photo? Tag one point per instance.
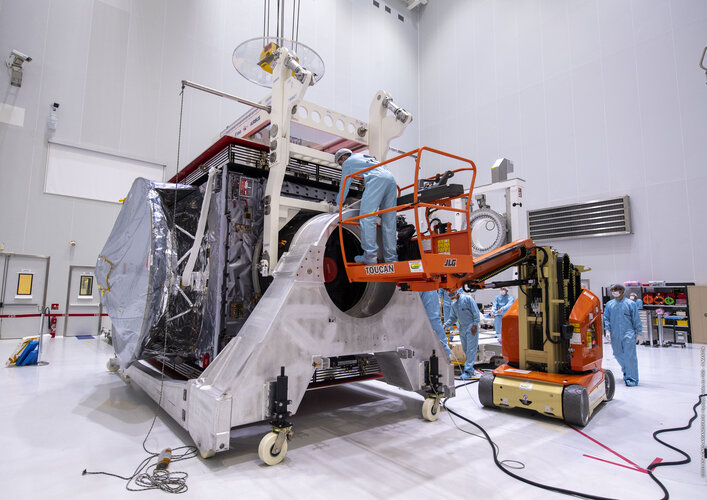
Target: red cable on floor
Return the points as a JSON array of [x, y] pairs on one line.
[[635, 467]]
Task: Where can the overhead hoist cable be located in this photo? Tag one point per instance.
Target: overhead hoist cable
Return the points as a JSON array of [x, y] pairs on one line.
[[299, 3]]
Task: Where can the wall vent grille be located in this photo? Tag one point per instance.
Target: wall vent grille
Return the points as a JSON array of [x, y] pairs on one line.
[[581, 220]]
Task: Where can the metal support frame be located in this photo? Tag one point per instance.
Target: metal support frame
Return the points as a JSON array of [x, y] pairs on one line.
[[294, 323], [286, 94], [187, 83], [383, 127]]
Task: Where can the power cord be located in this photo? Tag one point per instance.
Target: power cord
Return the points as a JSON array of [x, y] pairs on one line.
[[503, 465], [152, 476], [147, 475], [504, 468], [687, 458]]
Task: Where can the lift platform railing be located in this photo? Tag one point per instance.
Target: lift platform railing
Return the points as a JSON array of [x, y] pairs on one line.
[[444, 255]]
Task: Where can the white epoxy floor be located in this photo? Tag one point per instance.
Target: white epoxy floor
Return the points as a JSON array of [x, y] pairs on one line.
[[358, 441]]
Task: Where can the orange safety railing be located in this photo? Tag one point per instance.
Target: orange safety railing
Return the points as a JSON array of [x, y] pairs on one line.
[[439, 266]]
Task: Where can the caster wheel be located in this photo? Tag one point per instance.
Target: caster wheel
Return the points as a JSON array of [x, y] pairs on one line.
[[428, 410], [575, 405], [113, 365], [610, 384], [207, 453], [486, 389], [265, 449]]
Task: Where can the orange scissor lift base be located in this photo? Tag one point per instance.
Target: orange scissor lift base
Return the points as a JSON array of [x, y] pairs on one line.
[[445, 258]]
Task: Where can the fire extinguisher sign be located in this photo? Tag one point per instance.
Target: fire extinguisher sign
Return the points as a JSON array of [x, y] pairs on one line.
[[52, 326]]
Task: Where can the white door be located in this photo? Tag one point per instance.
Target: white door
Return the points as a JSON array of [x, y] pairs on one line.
[[22, 295], [83, 305]]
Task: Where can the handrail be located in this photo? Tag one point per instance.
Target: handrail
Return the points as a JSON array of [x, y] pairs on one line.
[[401, 189], [415, 204]]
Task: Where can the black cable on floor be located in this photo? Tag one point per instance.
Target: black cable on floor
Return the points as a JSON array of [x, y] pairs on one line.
[[500, 465], [466, 383], [147, 477], [687, 458]]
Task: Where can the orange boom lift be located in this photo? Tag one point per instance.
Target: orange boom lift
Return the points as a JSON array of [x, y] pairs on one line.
[[551, 335]]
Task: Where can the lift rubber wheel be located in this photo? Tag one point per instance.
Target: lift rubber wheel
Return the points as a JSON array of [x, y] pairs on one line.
[[207, 453], [428, 410], [265, 449], [575, 405], [486, 389], [497, 361], [112, 365], [610, 384]]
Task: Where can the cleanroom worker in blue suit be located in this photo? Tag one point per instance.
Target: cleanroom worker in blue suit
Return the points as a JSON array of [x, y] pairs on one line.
[[639, 305], [431, 302], [501, 304], [465, 310], [381, 192], [634, 298], [446, 303], [622, 323]]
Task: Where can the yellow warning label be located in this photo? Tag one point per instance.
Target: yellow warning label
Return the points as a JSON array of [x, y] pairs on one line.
[[576, 327], [443, 246]]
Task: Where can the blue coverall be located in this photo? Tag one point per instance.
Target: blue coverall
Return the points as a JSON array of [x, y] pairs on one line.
[[466, 312], [639, 304], [501, 304], [381, 192], [621, 319], [431, 302], [446, 303]]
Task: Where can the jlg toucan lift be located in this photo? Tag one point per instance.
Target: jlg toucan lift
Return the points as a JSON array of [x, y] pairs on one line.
[[552, 333]]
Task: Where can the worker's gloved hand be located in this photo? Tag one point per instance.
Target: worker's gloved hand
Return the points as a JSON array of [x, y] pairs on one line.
[[333, 209], [474, 329], [608, 332]]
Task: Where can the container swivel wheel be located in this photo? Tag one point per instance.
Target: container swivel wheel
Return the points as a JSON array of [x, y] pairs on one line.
[[433, 385], [113, 365], [430, 409], [273, 447]]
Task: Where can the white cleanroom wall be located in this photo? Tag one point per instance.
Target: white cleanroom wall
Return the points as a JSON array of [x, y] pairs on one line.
[[591, 99]]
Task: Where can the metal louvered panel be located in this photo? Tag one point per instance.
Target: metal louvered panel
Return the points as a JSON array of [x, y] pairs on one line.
[[581, 220], [249, 157], [233, 153]]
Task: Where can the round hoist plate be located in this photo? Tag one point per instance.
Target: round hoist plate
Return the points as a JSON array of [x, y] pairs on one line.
[[488, 230], [253, 59]]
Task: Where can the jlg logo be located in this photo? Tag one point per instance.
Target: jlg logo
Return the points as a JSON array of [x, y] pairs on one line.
[[450, 263]]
